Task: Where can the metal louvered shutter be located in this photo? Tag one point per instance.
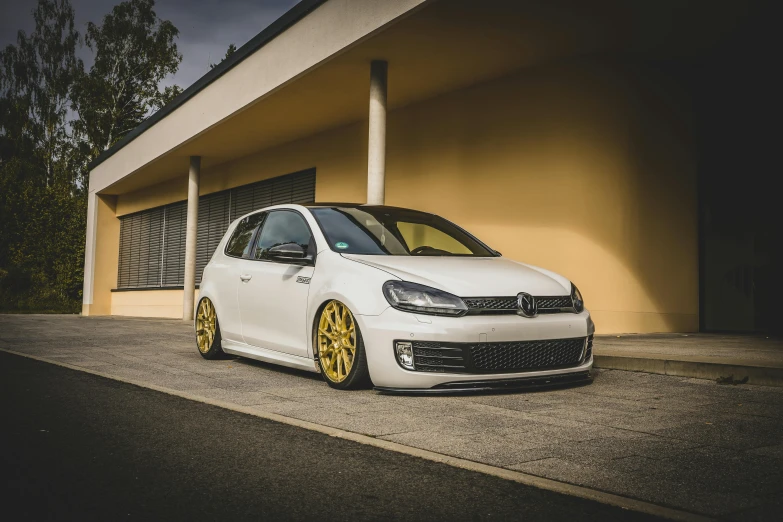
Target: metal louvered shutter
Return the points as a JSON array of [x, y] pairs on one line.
[[173, 270], [152, 242], [141, 235], [298, 187], [212, 224]]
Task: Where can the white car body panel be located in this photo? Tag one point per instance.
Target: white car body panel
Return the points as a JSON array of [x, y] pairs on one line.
[[269, 356], [220, 274], [273, 318], [273, 305], [469, 276], [395, 325]]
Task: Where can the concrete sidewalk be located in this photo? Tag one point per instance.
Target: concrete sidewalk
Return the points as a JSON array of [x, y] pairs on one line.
[[728, 359], [684, 443]]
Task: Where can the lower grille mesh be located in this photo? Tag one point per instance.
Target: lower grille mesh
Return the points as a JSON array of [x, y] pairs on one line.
[[527, 355], [504, 357]]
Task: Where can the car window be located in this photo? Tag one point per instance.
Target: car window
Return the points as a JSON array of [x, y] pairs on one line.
[[239, 243], [282, 227], [371, 230], [423, 238]]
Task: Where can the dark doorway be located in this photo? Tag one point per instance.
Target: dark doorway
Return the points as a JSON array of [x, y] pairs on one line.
[[736, 94]]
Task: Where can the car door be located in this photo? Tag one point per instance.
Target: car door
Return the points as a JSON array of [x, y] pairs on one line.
[[273, 293], [224, 274]]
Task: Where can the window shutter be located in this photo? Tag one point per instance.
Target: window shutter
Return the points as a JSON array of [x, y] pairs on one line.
[[141, 235], [212, 224], [152, 242], [173, 273], [291, 188]]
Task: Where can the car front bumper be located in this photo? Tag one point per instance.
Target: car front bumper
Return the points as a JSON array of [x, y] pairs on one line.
[[381, 331]]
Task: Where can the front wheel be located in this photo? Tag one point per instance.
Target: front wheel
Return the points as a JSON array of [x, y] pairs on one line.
[[341, 349], [208, 331]]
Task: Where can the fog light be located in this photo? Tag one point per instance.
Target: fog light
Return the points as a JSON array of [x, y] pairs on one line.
[[404, 354]]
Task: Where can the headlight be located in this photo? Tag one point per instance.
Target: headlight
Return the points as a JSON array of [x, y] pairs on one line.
[[576, 298], [412, 297]]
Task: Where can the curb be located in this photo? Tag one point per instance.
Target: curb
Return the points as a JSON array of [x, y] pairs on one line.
[[556, 486], [723, 373]]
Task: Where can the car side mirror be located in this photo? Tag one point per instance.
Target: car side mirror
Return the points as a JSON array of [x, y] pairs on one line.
[[290, 252]]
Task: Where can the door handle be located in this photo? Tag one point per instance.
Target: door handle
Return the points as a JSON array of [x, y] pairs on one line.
[[245, 277]]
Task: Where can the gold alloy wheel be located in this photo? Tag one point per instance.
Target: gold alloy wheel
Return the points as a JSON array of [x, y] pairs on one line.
[[336, 341], [206, 324]]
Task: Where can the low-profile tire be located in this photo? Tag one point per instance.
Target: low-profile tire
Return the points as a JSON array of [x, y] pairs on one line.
[[208, 331], [340, 348]]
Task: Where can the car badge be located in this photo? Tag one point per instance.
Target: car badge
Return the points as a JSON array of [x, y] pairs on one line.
[[526, 305]]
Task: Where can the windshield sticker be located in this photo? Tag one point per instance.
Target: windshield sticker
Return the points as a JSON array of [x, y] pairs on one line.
[[341, 245]]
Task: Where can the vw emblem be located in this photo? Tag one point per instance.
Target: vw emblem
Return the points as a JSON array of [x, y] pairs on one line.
[[526, 305]]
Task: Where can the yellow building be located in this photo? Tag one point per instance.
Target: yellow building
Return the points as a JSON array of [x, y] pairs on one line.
[[563, 134]]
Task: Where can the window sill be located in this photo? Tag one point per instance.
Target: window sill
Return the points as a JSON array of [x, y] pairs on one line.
[[144, 288]]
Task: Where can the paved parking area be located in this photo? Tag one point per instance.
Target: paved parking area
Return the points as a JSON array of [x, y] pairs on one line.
[[730, 349], [685, 443]]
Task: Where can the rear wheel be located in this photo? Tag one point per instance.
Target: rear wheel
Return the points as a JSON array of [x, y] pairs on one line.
[[340, 348], [208, 331]]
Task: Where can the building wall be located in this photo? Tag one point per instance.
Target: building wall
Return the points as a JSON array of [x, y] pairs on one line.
[[585, 168], [149, 303], [107, 249]]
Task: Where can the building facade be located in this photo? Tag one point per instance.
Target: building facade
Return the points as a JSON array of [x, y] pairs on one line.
[[562, 135]]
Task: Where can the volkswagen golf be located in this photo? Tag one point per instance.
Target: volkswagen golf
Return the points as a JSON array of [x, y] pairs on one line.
[[399, 298]]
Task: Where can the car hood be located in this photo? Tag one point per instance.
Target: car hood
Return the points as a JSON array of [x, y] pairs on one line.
[[470, 276]]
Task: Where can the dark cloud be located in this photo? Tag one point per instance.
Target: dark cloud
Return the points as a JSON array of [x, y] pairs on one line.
[[207, 27]]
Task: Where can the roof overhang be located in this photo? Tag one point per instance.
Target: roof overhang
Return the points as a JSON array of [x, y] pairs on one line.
[[310, 72], [310, 34]]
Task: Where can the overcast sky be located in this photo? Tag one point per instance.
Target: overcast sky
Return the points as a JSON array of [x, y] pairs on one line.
[[206, 27]]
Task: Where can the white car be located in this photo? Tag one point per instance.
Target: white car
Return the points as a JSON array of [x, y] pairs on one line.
[[403, 299]]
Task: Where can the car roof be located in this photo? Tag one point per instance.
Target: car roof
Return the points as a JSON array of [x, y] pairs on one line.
[[294, 206], [358, 205]]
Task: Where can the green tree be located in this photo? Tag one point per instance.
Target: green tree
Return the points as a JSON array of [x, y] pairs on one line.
[[35, 83], [134, 51], [40, 205], [45, 148], [231, 50]]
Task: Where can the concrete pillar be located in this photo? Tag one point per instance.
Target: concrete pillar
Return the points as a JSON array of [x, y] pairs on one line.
[[191, 232], [89, 252], [376, 147]]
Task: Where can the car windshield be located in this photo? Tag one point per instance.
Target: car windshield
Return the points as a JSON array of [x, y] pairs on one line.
[[395, 232]]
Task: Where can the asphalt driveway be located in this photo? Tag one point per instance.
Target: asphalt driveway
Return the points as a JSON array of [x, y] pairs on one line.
[[80, 447], [685, 443]]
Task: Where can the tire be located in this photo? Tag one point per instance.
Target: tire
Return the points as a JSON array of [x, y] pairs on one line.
[[208, 339], [338, 343]]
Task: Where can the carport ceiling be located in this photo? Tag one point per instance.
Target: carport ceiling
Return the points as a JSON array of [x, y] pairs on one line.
[[446, 45]]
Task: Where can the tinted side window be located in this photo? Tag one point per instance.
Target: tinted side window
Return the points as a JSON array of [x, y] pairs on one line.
[[280, 228], [240, 239]]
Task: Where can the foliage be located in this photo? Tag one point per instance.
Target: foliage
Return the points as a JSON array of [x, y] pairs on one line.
[[231, 50], [134, 52], [45, 148]]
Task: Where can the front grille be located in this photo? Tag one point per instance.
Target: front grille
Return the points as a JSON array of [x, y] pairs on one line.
[[527, 355], [508, 305], [492, 304], [507, 357], [549, 303]]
